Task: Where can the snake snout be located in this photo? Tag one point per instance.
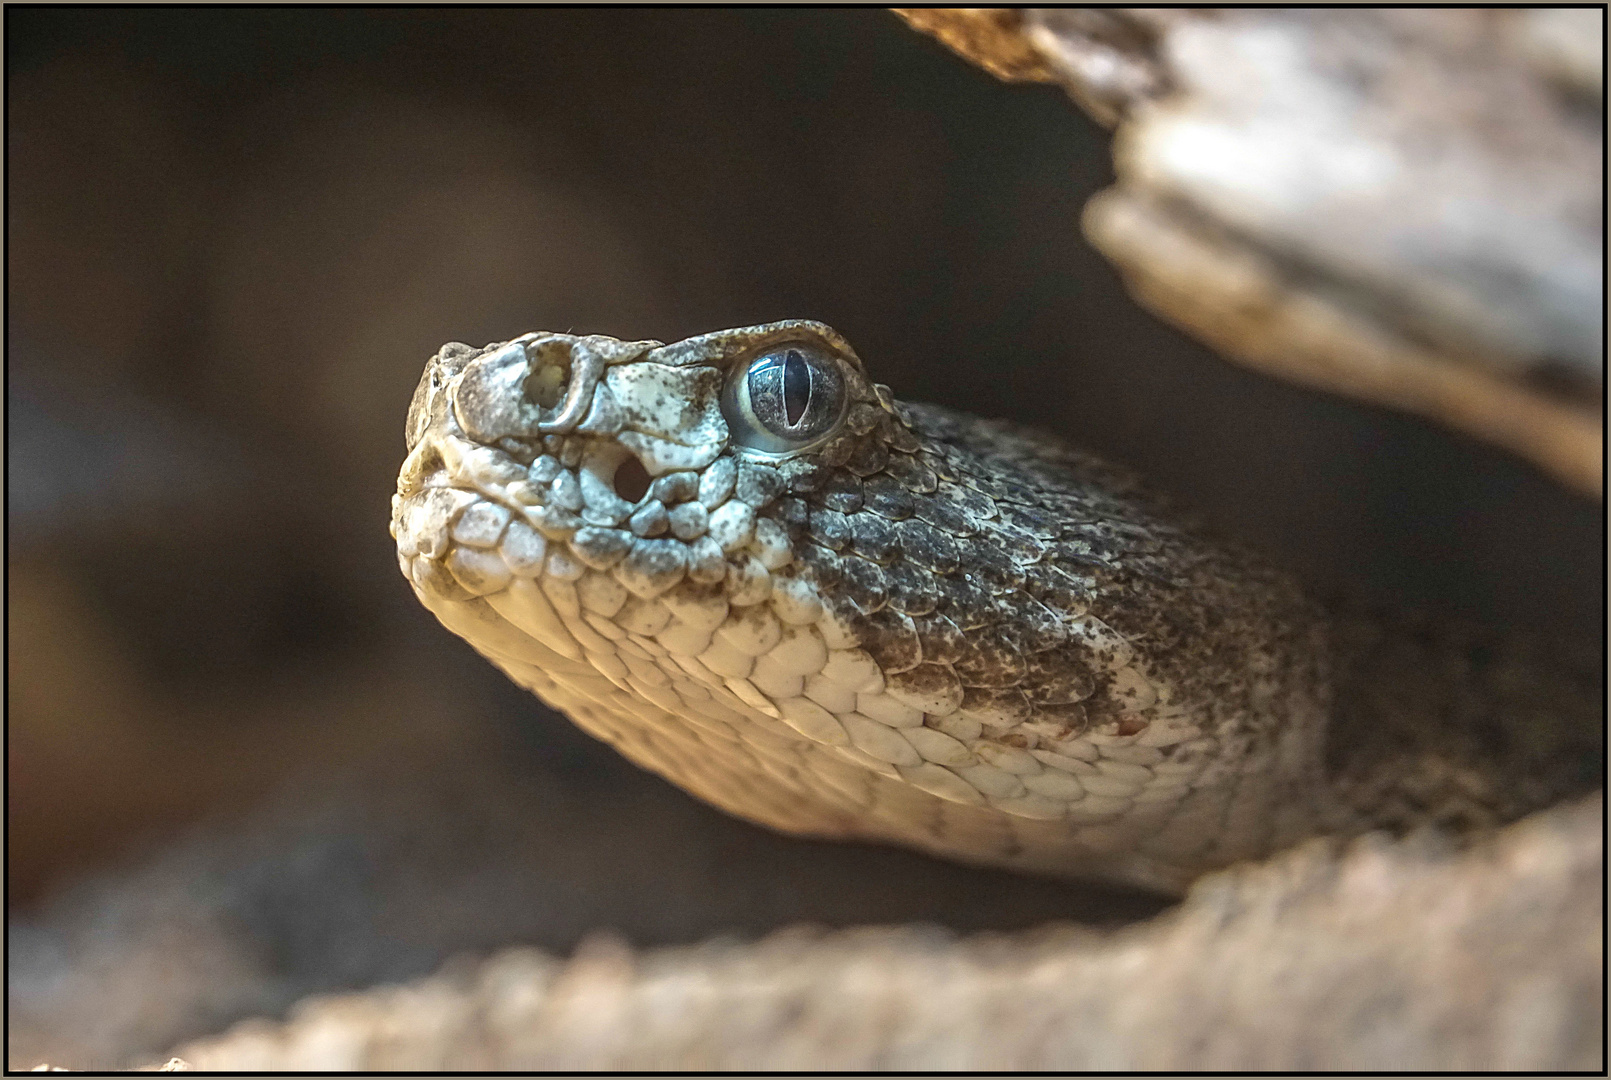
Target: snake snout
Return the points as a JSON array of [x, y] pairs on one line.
[[564, 372], [539, 385]]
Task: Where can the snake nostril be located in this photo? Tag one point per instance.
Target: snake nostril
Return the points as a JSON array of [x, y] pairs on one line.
[[550, 372], [631, 480]]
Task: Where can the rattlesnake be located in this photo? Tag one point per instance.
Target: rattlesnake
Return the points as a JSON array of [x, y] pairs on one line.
[[752, 570]]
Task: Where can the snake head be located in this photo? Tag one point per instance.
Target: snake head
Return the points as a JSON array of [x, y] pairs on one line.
[[659, 478], [600, 443]]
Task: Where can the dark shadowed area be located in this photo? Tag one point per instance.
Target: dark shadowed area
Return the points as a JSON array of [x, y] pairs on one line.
[[243, 763]]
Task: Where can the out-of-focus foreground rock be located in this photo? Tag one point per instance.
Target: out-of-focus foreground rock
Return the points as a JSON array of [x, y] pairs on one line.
[[1401, 206], [1379, 957]]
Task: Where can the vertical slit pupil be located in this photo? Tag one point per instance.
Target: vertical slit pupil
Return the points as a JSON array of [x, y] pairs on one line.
[[796, 387]]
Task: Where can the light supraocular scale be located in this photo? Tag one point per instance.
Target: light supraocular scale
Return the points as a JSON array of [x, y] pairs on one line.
[[753, 571]]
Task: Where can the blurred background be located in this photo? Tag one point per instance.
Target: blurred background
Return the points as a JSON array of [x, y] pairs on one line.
[[241, 757]]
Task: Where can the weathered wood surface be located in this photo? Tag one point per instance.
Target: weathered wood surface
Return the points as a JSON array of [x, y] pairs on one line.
[[1377, 957], [1401, 206]]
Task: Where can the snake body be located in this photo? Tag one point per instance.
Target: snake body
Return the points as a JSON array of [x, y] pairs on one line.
[[753, 571]]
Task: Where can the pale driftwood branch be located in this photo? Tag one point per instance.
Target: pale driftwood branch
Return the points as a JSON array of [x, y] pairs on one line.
[[1379, 956], [1400, 206]]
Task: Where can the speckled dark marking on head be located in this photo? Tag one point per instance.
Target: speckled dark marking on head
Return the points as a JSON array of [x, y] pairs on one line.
[[1074, 537]]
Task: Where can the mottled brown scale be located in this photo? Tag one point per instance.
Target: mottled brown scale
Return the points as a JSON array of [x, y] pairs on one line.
[[944, 514], [890, 637], [967, 602], [1058, 721], [828, 528], [927, 546], [884, 496], [872, 537], [943, 641], [842, 494], [911, 590], [1058, 675], [757, 484], [990, 659], [865, 584]]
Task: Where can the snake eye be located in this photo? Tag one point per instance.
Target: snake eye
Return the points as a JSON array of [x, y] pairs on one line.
[[785, 400]]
